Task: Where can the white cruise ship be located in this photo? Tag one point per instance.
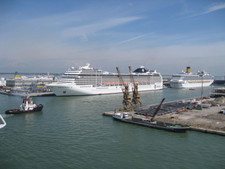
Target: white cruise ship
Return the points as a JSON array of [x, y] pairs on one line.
[[189, 80], [89, 81]]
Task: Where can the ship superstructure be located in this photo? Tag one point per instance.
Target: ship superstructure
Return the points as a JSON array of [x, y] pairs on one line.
[[87, 80], [189, 80]]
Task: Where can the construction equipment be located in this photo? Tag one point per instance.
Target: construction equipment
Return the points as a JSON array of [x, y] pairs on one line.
[[157, 109], [136, 96], [127, 104]]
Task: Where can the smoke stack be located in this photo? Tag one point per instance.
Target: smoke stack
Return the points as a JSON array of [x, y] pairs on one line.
[[188, 70]]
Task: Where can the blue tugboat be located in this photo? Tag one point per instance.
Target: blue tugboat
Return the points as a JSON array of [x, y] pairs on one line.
[[27, 106]]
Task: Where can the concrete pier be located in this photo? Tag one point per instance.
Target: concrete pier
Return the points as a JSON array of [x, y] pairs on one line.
[[206, 120]]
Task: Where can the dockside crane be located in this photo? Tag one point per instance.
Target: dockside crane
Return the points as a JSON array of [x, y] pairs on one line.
[[136, 96], [127, 104], [157, 109]]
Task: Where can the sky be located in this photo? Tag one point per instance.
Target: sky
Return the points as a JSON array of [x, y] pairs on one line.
[[167, 35]]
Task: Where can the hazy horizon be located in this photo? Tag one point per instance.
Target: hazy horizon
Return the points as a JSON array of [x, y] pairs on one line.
[[51, 36]]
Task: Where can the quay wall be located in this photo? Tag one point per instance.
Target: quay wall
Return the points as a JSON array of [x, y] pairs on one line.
[[206, 120]]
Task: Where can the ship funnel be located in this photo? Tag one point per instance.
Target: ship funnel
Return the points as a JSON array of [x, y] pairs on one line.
[[188, 70], [17, 76]]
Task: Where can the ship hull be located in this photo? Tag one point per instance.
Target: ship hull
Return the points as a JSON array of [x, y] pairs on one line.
[[191, 84], [89, 81], [82, 90], [18, 111]]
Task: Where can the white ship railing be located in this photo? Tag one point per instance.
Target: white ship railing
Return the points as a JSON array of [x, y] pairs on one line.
[[2, 122]]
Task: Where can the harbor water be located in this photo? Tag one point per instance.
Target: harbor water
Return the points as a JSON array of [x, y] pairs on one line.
[[71, 133]]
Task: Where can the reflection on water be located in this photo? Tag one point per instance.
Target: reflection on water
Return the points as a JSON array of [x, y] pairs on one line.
[[71, 132]]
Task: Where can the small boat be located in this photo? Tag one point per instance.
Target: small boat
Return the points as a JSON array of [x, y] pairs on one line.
[[2, 122], [119, 116], [27, 106]]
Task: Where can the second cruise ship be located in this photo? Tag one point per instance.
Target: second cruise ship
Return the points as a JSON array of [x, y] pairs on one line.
[[189, 80], [87, 80]]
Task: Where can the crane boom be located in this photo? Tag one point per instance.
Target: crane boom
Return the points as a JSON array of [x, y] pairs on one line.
[[127, 104], [131, 76], [157, 109], [136, 96], [119, 76]]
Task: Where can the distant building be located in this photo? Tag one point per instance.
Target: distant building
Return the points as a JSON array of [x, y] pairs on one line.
[[2, 82], [25, 81]]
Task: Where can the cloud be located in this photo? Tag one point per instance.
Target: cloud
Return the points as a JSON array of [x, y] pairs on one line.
[[168, 58], [132, 39], [212, 8], [87, 30], [57, 19]]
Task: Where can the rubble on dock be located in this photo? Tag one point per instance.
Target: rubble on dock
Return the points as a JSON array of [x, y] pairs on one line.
[[204, 120], [189, 113]]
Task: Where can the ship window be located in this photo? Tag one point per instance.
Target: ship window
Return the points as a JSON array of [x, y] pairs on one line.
[[64, 92]]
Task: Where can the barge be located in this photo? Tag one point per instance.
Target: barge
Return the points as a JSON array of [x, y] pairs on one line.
[[184, 113], [146, 122]]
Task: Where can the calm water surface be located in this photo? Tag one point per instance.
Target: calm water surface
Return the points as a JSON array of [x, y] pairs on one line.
[[71, 133]]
